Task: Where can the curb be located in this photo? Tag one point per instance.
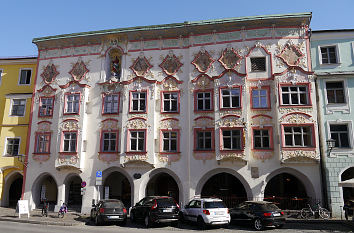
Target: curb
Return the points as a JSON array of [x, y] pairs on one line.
[[41, 222]]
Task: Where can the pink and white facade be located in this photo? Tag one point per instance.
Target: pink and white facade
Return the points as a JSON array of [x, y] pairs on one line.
[[190, 101]]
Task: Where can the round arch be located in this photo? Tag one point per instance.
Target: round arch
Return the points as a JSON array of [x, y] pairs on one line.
[[347, 191], [110, 171], [216, 171], [51, 193], [8, 197], [157, 172], [73, 196]]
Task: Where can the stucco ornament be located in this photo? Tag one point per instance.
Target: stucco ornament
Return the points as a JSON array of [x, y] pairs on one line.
[[41, 157], [49, 73], [300, 156], [229, 58], [68, 159], [203, 61], [296, 118], [169, 158], [262, 155], [138, 123], [204, 122], [171, 64], [234, 156], [202, 82], [109, 124], [43, 127], [69, 125], [291, 55], [170, 84], [79, 70], [169, 123], [230, 121], [290, 110], [141, 66]]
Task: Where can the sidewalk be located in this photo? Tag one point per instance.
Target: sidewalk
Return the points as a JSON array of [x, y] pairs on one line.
[[70, 219]]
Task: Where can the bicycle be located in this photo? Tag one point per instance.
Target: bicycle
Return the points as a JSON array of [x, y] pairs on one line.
[[45, 208], [309, 212]]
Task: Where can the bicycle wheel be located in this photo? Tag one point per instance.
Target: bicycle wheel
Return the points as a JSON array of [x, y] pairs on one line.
[[305, 213], [324, 213]]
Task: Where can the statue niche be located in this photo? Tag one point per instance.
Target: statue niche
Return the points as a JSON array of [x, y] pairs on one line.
[[115, 65]]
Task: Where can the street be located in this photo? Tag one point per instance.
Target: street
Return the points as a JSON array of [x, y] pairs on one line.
[[12, 227]]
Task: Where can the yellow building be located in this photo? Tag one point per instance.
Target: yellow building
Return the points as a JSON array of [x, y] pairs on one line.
[[16, 86]]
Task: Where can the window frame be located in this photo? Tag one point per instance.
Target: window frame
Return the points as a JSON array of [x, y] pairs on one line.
[[327, 46], [196, 92], [36, 147], [12, 105], [350, 135], [335, 95], [5, 154], [312, 136], [131, 103], [221, 99], [19, 78], [1, 73], [66, 103], [258, 71], [40, 105], [116, 141], [308, 95], [62, 142], [269, 104], [162, 131], [129, 151], [196, 131], [221, 139], [162, 109], [270, 133], [103, 103]]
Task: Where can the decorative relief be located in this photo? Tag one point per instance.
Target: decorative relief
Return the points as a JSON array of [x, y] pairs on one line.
[[109, 124], [141, 66], [299, 156], [78, 71], [170, 84], [49, 73], [296, 118], [171, 64], [230, 121], [262, 155], [47, 90], [169, 123], [229, 58], [230, 112], [290, 110], [204, 122], [202, 82], [137, 157], [291, 55], [41, 157], [165, 158], [137, 123], [108, 158], [203, 61], [44, 127], [69, 125], [261, 121], [68, 159], [239, 156]]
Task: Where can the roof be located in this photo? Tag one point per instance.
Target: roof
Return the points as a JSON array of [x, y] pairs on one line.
[[334, 30], [294, 18]]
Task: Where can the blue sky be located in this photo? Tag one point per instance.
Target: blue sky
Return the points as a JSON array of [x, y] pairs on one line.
[[23, 20]]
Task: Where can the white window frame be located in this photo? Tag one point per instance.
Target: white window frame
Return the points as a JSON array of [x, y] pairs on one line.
[[5, 147], [320, 54], [204, 137], [111, 104], [137, 138], [70, 140], [341, 107], [19, 76], [12, 104], [110, 140], [1, 74], [239, 137], [261, 136], [170, 101], [311, 143], [139, 98], [169, 139], [204, 99], [298, 92], [259, 98], [230, 97], [73, 103], [339, 151]]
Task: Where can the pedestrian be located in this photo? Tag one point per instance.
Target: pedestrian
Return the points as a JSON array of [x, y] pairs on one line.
[[346, 210]]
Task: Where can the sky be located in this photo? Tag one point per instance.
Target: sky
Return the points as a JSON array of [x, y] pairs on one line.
[[23, 20]]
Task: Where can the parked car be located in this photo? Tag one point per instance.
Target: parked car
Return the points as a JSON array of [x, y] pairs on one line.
[[258, 213], [206, 211], [109, 211], [155, 209]]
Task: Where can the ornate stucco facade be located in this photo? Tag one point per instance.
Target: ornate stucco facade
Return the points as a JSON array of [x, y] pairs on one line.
[[190, 101]]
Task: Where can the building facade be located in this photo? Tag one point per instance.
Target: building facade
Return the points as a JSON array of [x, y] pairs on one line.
[[213, 108], [332, 54], [16, 85]]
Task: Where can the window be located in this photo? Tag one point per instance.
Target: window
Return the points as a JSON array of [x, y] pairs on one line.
[[298, 136], [0, 76], [294, 95], [329, 55], [335, 92], [231, 139], [46, 106], [204, 140], [260, 98], [231, 98], [258, 64], [109, 141], [170, 102], [70, 139], [72, 103], [18, 107], [42, 143], [169, 141], [138, 101], [137, 141], [204, 101], [340, 133], [110, 104], [25, 77], [12, 146], [261, 139]]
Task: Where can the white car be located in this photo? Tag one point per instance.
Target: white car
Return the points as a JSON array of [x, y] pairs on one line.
[[206, 211]]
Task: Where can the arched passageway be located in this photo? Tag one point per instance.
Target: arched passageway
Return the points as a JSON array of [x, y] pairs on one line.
[[226, 187], [15, 191], [163, 184], [46, 188], [73, 196], [117, 186], [348, 189], [287, 191]]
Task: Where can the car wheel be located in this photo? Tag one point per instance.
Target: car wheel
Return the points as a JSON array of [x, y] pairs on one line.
[[201, 223], [174, 224], [280, 226], [97, 221], [147, 221], [181, 217], [124, 222], [258, 225], [132, 217]]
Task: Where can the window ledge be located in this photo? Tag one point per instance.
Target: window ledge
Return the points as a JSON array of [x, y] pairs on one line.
[[37, 153], [230, 109], [265, 149], [135, 152], [227, 151], [203, 151], [167, 153], [295, 106], [108, 152], [67, 153], [299, 148]]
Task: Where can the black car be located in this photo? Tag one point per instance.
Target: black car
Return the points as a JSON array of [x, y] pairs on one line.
[[155, 209], [258, 213], [109, 211]]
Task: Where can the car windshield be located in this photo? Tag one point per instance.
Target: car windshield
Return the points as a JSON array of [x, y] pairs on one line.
[[112, 204], [214, 204], [165, 202], [265, 207]]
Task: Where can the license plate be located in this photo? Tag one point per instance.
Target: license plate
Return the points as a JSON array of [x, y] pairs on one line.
[[167, 211], [219, 213], [276, 214], [113, 217]]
